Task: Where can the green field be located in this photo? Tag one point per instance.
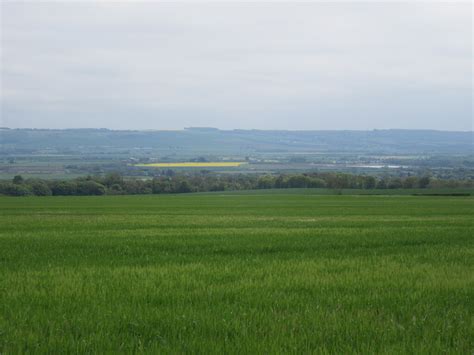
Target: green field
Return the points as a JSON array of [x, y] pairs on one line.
[[236, 273]]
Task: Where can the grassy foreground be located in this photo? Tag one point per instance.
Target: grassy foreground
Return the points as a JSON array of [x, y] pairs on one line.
[[217, 273]]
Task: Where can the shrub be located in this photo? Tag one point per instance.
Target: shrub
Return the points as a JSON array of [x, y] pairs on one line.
[[65, 188], [11, 189], [90, 188], [265, 182], [40, 188]]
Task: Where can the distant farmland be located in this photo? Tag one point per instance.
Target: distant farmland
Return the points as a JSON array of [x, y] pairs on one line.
[[237, 273], [193, 165]]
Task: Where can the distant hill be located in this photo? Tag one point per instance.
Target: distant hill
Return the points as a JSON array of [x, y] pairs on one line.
[[241, 141]]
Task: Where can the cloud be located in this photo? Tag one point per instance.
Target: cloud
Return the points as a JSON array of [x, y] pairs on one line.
[[244, 65]]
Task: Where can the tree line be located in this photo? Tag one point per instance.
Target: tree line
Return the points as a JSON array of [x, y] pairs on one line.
[[116, 184]]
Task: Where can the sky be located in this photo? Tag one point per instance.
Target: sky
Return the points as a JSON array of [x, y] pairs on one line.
[[259, 65]]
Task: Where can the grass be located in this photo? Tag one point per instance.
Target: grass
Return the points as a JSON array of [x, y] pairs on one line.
[[220, 273], [458, 191]]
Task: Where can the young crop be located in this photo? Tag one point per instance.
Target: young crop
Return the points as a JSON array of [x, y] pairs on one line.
[[236, 273]]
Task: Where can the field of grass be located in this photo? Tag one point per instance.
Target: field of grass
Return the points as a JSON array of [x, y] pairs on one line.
[[193, 165], [458, 191], [221, 273]]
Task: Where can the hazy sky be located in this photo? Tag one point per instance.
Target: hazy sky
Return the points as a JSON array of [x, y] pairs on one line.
[[151, 65]]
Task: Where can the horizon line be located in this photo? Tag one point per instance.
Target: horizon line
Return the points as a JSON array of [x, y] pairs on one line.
[[197, 128]]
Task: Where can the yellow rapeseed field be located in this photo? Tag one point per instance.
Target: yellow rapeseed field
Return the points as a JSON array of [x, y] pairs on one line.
[[193, 165]]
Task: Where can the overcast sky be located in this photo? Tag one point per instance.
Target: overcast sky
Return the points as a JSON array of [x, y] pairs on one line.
[[153, 65]]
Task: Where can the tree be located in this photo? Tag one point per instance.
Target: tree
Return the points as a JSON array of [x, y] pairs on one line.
[[394, 183], [11, 189], [280, 182], [136, 187], [18, 179], [113, 178], [424, 182], [65, 188], [115, 189], [40, 188], [182, 187], [410, 182], [381, 184], [265, 182], [218, 186], [90, 188], [160, 186], [338, 181], [369, 182], [298, 181], [316, 183]]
